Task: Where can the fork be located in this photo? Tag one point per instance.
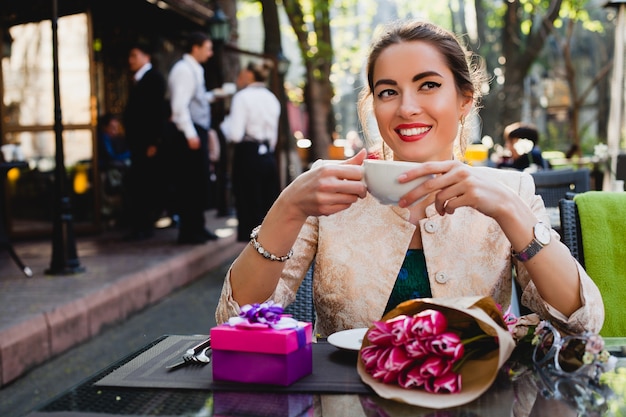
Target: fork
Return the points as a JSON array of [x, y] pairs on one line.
[[202, 358], [196, 354]]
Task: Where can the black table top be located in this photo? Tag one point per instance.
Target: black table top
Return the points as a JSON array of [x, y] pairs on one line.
[[521, 396]]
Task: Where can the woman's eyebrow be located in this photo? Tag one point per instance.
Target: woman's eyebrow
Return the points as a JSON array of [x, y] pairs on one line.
[[425, 74], [386, 82], [415, 78]]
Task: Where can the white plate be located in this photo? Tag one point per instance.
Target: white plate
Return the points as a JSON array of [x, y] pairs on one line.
[[348, 339]]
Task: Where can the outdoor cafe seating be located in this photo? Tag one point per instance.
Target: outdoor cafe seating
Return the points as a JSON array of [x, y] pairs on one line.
[[552, 185]]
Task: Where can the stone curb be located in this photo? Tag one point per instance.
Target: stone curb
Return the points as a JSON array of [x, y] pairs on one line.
[[52, 332]]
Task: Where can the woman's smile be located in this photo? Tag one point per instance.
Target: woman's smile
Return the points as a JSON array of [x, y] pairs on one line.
[[412, 132]]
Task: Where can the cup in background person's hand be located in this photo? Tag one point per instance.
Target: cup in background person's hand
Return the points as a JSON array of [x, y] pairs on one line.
[[229, 88], [381, 178]]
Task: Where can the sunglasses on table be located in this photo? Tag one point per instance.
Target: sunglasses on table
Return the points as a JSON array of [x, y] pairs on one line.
[[569, 367], [572, 355]]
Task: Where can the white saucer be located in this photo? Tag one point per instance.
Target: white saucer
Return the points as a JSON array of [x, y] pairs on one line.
[[348, 339]]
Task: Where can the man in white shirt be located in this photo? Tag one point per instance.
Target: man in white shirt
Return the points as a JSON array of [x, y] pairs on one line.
[[191, 114]]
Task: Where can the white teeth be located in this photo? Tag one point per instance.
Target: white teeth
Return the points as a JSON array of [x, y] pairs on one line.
[[413, 131]]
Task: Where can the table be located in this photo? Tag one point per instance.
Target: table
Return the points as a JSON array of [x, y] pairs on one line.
[[5, 242], [505, 397]]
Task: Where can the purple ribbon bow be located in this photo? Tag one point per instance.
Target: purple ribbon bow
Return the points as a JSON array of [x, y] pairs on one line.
[[265, 313]]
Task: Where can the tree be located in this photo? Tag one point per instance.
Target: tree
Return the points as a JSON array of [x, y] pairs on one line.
[[524, 28], [576, 17], [310, 21], [512, 37]]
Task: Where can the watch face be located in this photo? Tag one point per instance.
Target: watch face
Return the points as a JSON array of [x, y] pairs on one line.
[[542, 233]]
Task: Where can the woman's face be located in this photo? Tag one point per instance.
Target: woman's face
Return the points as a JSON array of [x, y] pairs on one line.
[[416, 102]]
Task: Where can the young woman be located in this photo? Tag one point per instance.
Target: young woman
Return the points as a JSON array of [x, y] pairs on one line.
[[474, 227]]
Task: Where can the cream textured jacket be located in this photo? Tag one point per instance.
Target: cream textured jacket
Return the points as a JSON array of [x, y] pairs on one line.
[[359, 251]]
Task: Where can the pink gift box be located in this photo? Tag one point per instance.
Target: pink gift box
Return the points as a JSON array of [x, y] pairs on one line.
[[261, 356], [260, 340]]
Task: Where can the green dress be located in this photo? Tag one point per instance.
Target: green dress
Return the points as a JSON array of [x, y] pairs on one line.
[[412, 281]]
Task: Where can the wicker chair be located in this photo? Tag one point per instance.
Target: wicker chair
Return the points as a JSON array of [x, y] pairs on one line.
[[570, 227], [552, 185], [302, 308]]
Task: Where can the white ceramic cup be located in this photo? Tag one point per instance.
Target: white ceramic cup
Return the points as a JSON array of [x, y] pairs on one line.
[[381, 178]]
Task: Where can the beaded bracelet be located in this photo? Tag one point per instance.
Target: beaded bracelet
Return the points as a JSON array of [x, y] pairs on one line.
[[256, 245]]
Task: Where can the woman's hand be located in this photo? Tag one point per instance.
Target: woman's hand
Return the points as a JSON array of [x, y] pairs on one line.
[[322, 191], [327, 189], [456, 185]]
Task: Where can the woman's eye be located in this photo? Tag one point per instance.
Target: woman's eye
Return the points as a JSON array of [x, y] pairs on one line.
[[386, 93], [430, 85]]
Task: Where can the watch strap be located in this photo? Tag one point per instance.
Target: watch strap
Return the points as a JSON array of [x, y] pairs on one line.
[[529, 251]]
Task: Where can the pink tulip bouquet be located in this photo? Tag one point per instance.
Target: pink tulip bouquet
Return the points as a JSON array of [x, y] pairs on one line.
[[421, 351], [436, 352]]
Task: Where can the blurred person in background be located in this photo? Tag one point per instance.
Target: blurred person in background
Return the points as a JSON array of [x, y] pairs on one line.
[[252, 126], [113, 164], [191, 117], [112, 146], [523, 152], [144, 117]]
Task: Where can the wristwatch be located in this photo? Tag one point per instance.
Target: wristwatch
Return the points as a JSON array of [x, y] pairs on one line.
[[542, 236]]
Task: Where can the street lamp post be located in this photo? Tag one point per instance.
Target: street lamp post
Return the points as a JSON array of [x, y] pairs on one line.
[[219, 27], [64, 255], [282, 68]]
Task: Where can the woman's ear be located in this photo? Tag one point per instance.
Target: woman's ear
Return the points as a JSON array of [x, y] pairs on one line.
[[466, 104]]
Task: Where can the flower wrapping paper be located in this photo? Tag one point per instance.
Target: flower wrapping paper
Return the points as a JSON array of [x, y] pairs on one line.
[[477, 373]]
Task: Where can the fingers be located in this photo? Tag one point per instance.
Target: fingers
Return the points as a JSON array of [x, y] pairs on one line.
[[356, 159], [340, 171], [327, 189], [446, 182], [349, 184]]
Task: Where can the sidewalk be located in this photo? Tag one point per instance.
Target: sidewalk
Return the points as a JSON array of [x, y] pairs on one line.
[[52, 313]]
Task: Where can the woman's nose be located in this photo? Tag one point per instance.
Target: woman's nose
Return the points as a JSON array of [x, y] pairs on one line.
[[409, 106]]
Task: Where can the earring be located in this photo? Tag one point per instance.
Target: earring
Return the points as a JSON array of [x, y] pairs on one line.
[[462, 144]]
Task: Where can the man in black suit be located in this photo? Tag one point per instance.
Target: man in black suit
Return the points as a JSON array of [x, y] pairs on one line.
[[144, 118]]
